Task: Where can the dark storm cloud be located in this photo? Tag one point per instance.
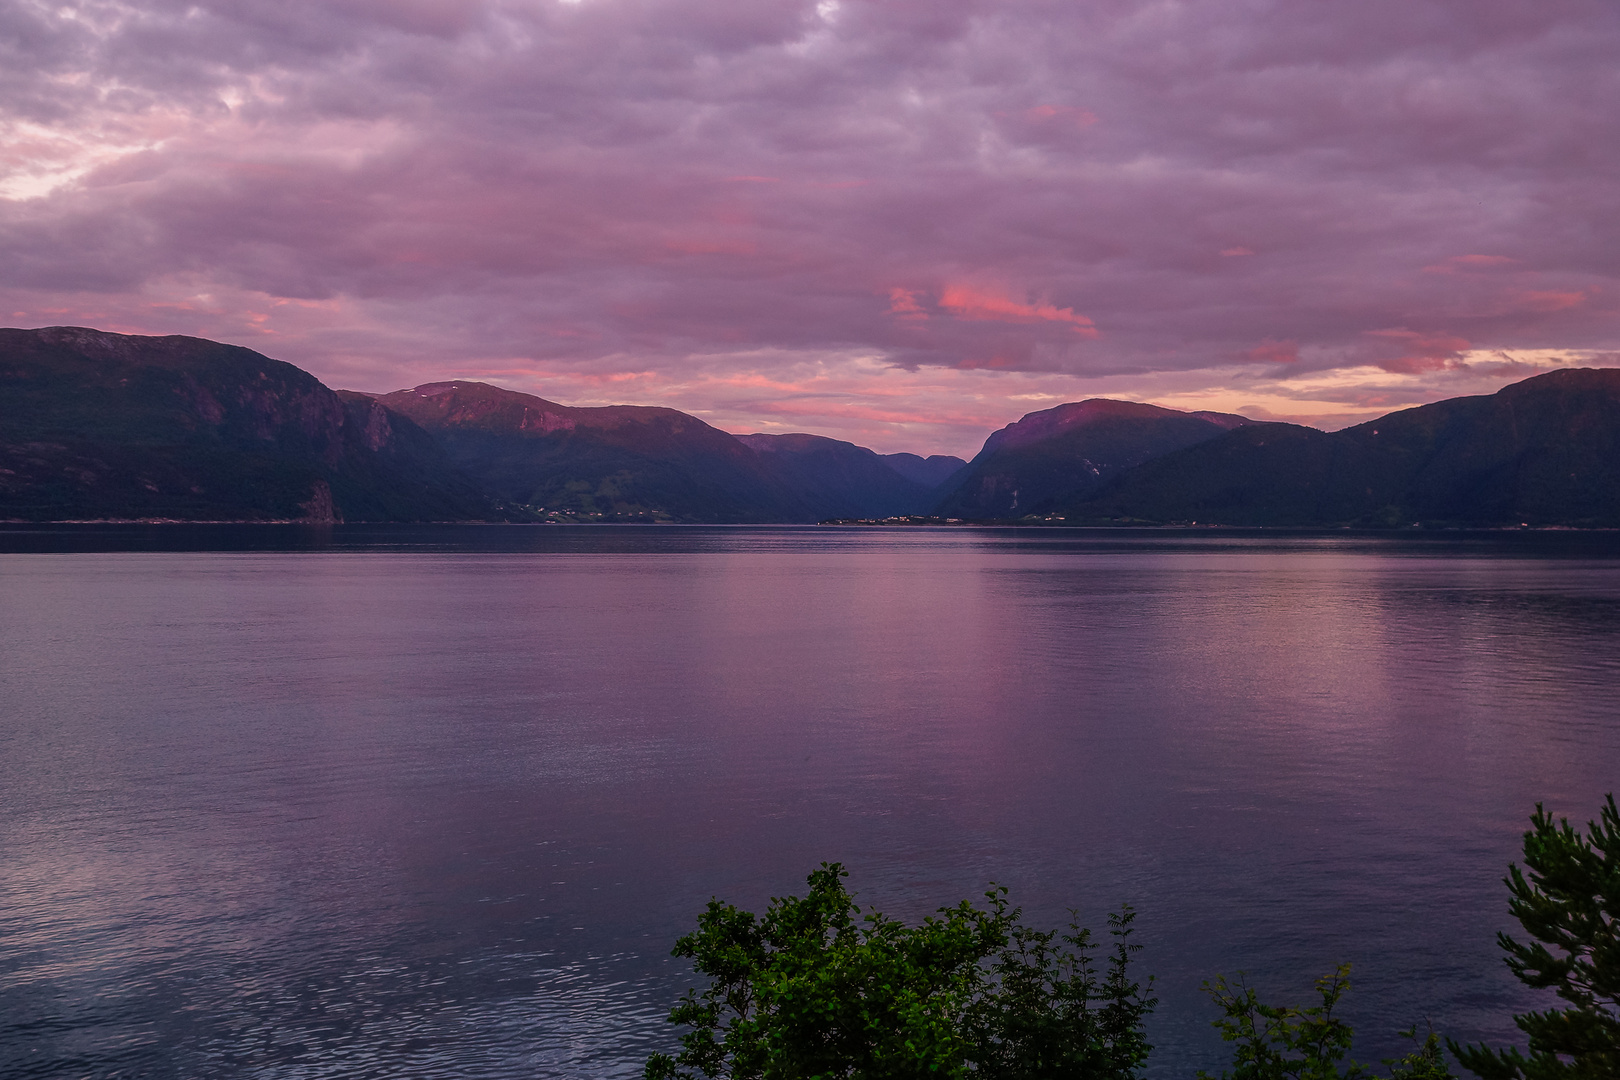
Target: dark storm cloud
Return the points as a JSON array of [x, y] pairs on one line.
[[1096, 188]]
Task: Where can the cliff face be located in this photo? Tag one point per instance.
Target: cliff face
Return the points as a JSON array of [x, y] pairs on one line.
[[99, 425]]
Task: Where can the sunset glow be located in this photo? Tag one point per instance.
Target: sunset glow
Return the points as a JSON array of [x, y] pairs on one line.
[[901, 224]]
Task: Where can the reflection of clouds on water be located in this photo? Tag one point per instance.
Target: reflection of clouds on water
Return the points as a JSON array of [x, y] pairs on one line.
[[437, 801]]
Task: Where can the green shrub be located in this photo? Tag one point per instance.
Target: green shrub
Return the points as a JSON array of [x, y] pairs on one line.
[[815, 989]]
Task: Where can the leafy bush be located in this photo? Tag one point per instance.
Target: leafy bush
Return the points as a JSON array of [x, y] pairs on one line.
[[815, 989]]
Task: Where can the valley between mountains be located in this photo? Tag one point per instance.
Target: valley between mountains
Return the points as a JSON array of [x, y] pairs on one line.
[[103, 426]]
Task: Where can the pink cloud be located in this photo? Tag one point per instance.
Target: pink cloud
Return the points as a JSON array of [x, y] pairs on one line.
[[854, 411], [1275, 352], [903, 305], [1546, 301], [1470, 264], [1233, 252], [1412, 352], [702, 245], [970, 302], [998, 362]]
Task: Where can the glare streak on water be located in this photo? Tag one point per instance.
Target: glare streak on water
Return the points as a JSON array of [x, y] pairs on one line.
[[435, 802]]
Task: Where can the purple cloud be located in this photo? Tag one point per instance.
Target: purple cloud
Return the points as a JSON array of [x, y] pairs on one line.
[[975, 204]]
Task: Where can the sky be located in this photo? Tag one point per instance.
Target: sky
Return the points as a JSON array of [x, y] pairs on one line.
[[900, 222]]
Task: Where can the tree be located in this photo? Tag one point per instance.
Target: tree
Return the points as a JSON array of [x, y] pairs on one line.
[[1285, 1042], [1569, 904], [815, 989]]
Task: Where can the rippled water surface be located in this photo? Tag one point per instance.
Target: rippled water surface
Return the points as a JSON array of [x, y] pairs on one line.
[[434, 802]]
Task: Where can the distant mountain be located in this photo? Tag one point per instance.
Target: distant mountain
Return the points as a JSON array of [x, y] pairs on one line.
[[1545, 451], [96, 425], [109, 426], [933, 471], [1070, 451], [623, 462], [841, 480]]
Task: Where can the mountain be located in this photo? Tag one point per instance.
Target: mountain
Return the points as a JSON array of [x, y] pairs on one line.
[[111, 426], [623, 462], [96, 425], [1545, 451], [933, 471], [1071, 451], [841, 480]]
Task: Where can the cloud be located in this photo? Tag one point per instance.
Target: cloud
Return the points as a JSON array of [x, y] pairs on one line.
[[1108, 194], [1461, 264], [1275, 352], [1545, 300], [1410, 352], [903, 305], [968, 302], [1067, 115]]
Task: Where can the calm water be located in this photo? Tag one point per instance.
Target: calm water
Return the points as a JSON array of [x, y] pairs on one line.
[[435, 802]]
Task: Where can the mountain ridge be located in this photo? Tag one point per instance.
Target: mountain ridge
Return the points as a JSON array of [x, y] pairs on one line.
[[95, 425], [1074, 447], [102, 426], [651, 463], [1542, 451], [625, 462], [839, 479]]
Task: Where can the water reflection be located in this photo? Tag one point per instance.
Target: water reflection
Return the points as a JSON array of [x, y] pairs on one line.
[[435, 803]]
